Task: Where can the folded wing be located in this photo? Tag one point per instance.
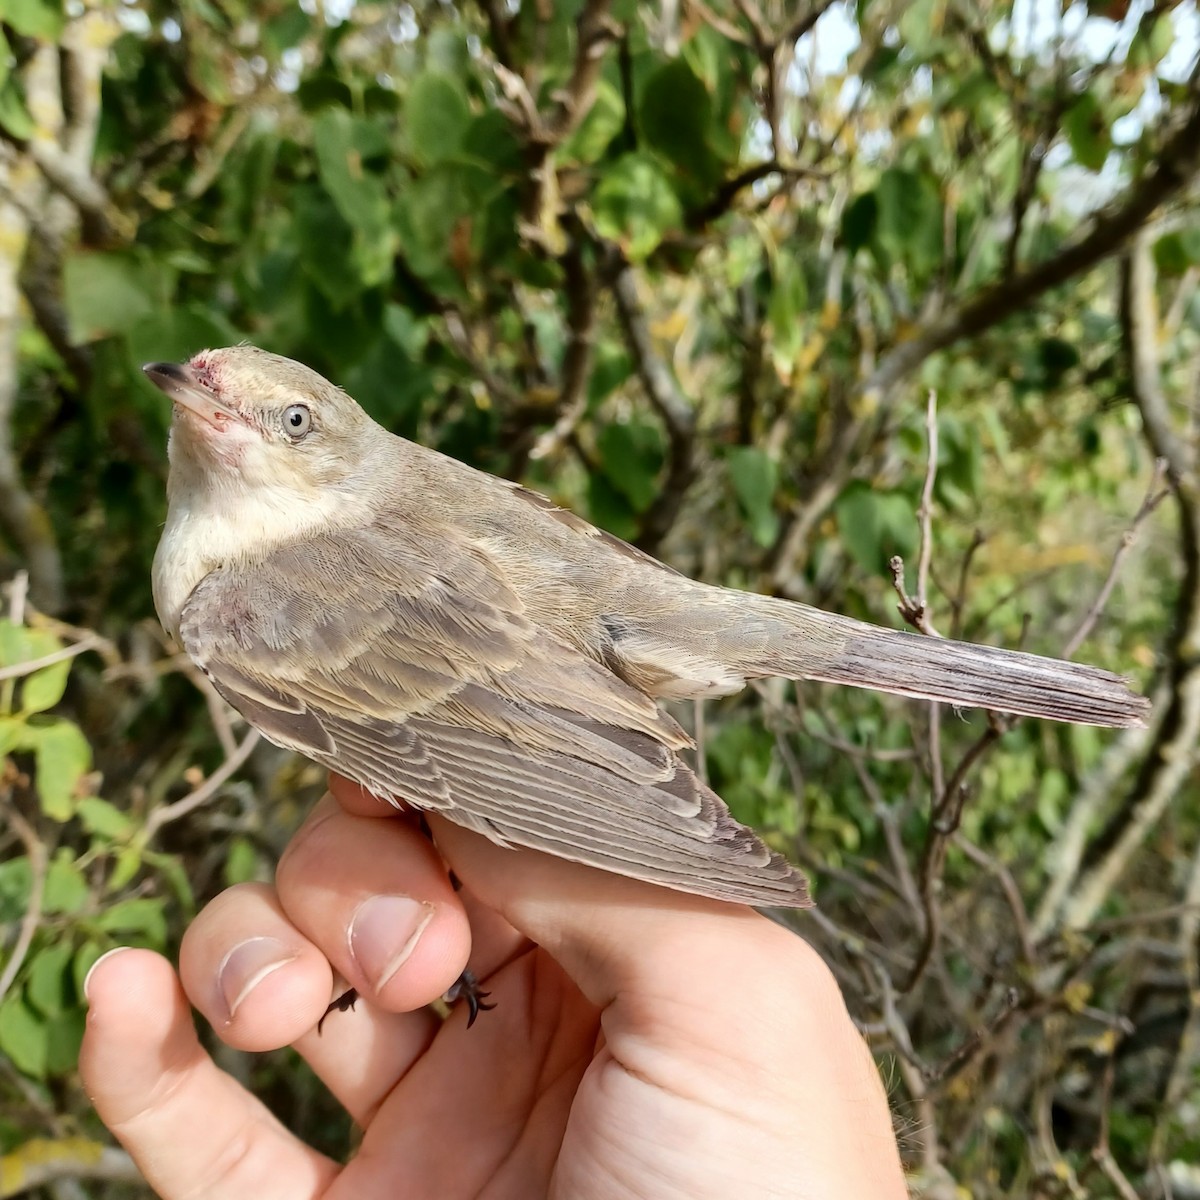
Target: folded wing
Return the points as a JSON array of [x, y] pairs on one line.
[[422, 679]]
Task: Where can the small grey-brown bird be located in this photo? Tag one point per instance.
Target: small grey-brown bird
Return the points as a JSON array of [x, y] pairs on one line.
[[461, 644]]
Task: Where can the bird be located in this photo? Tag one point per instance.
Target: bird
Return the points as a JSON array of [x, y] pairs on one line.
[[460, 644]]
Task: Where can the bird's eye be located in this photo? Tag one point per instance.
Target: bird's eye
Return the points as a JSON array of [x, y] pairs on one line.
[[297, 420]]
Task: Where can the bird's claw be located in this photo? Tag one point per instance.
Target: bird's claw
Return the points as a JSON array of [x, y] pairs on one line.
[[341, 1003], [467, 988]]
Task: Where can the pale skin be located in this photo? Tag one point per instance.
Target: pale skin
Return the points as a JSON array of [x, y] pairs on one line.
[[645, 1043]]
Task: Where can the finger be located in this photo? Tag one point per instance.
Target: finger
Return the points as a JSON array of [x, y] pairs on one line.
[[262, 984], [494, 941], [376, 898], [256, 978], [704, 998], [191, 1128]]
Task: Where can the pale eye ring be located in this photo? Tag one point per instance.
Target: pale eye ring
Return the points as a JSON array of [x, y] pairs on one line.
[[297, 421]]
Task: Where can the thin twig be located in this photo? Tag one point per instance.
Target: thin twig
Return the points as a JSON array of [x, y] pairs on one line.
[[48, 660], [1102, 1153], [915, 609], [1008, 885], [37, 855], [1156, 493], [979, 1038], [201, 795], [677, 413]]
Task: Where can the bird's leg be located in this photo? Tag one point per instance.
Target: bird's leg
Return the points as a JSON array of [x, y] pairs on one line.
[[466, 987]]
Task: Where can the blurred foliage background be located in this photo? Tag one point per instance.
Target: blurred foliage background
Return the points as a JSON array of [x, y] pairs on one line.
[[694, 268]]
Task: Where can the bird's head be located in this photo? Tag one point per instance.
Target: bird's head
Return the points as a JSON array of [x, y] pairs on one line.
[[246, 417]]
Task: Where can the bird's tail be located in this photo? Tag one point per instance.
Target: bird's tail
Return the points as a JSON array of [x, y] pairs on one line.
[[806, 643]]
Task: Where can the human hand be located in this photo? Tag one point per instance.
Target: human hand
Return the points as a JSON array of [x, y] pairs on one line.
[[644, 1043]]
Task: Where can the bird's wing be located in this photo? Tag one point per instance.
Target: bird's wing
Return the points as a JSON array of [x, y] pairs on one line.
[[409, 666]]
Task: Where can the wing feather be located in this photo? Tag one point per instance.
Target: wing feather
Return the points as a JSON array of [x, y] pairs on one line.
[[425, 681]]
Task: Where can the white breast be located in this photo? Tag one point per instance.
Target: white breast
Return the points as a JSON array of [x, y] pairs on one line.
[[211, 528]]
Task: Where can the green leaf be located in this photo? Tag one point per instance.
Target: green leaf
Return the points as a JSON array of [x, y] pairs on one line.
[[676, 120], [436, 116], [489, 139], [64, 1036], [875, 525], [287, 29], [636, 205], [858, 222], [242, 862], [1152, 42], [631, 456], [40, 19], [44, 689], [16, 883], [85, 959], [48, 986], [62, 756], [339, 141], [140, 916], [611, 368], [920, 25], [437, 213], [110, 292], [786, 309], [174, 334], [12, 734], [1053, 793], [171, 868], [755, 476], [908, 225], [23, 1037], [609, 509], [15, 647], [103, 819], [67, 890], [14, 116], [1088, 132], [327, 248], [604, 121], [127, 864], [1175, 252]]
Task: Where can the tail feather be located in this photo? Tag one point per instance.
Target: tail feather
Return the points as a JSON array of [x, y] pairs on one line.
[[835, 649]]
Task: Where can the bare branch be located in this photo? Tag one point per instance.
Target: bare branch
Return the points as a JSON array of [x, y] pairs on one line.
[[1173, 751], [38, 855], [1139, 321], [20, 670], [1171, 169], [577, 361], [1155, 495], [595, 32], [915, 609], [205, 792], [82, 190], [663, 392], [25, 520], [500, 31]]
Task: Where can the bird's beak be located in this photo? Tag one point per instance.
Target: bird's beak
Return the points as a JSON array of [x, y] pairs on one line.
[[183, 386]]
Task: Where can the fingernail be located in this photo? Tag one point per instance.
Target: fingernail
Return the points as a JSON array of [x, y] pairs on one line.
[[247, 965], [87, 979], [384, 932]]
